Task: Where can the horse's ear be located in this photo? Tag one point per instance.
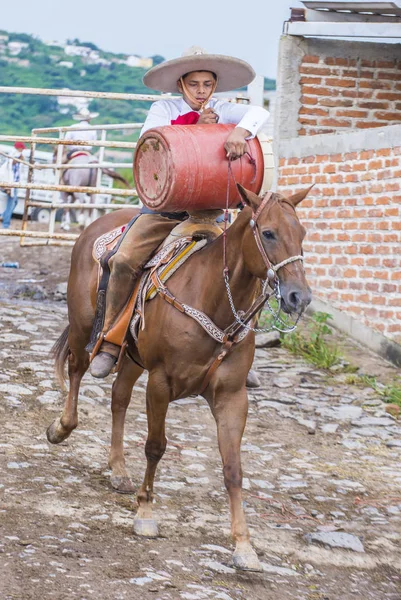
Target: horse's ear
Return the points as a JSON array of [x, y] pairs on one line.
[[249, 198], [299, 196]]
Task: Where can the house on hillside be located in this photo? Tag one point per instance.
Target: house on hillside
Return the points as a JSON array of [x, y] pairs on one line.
[[15, 48], [137, 61]]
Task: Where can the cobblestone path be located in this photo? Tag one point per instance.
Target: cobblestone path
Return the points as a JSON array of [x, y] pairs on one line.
[[322, 486]]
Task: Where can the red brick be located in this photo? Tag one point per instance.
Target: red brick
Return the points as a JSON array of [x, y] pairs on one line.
[[336, 102], [343, 62], [319, 131], [310, 58], [313, 100], [351, 178], [321, 70], [368, 124], [375, 164], [383, 152], [293, 160], [336, 123], [329, 168], [386, 174], [306, 179], [322, 158], [359, 94], [391, 75], [339, 82], [307, 121], [310, 81], [319, 91], [375, 84], [385, 64], [388, 116], [391, 212], [388, 96], [282, 162], [392, 187], [336, 179], [300, 170], [359, 166], [314, 169], [366, 154], [359, 114], [383, 200], [372, 104], [368, 63], [317, 112]]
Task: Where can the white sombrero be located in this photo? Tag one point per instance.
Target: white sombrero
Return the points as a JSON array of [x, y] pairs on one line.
[[84, 115], [232, 73]]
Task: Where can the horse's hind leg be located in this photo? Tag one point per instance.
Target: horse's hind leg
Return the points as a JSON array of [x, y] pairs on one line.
[[61, 428], [230, 411], [157, 400], [120, 399]]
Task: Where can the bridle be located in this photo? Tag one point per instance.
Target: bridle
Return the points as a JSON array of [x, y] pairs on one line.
[[271, 279]]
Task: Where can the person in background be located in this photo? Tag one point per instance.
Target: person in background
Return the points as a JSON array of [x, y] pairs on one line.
[[82, 130], [11, 172]]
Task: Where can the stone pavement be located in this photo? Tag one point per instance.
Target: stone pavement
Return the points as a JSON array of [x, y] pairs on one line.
[[322, 486]]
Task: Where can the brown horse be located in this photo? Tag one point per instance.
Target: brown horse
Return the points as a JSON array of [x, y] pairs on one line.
[[177, 352]]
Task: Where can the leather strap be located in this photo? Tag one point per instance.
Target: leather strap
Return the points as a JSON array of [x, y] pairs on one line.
[[225, 349]]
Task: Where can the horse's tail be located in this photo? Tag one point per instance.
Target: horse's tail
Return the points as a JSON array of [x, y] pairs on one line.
[[60, 352], [115, 175]]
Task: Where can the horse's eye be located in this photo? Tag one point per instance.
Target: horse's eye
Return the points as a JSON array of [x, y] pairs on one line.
[[269, 235]]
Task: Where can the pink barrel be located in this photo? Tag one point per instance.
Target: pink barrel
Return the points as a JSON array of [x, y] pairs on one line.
[[184, 167]]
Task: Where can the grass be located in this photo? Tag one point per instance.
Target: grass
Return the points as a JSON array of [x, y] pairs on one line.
[[313, 342], [389, 393]]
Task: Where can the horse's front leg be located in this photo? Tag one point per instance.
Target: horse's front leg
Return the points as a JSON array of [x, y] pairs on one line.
[[157, 400], [230, 411], [120, 399]]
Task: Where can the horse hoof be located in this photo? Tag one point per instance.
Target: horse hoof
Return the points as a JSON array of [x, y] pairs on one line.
[[122, 485], [246, 560], [252, 380], [56, 433], [146, 527]]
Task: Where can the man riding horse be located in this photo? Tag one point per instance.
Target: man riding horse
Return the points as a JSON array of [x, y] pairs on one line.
[[196, 76]]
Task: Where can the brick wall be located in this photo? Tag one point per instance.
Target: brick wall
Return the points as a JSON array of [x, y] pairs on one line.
[[342, 93], [353, 217]]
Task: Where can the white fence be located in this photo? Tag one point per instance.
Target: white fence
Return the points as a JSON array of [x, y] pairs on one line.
[[34, 183]]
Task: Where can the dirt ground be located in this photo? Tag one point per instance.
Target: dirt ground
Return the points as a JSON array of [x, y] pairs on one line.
[[321, 458]]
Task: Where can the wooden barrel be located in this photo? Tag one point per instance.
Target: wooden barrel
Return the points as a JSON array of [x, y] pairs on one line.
[[185, 168]]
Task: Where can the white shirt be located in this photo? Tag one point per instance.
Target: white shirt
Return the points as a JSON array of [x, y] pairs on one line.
[[81, 131], [249, 117]]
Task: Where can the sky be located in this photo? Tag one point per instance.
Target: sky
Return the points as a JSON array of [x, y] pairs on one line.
[[248, 29]]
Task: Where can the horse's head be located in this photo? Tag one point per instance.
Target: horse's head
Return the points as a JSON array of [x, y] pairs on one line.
[[272, 245]]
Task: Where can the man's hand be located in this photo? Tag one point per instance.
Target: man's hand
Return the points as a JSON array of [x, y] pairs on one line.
[[235, 145], [207, 117]]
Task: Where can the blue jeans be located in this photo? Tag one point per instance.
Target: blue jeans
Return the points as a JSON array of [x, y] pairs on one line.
[[12, 200]]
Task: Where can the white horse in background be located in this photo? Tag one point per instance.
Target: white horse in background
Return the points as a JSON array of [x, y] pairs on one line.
[[86, 178]]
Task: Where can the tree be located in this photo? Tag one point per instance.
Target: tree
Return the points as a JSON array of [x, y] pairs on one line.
[[157, 59]]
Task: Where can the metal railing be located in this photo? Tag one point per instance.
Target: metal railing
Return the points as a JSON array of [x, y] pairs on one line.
[[38, 136]]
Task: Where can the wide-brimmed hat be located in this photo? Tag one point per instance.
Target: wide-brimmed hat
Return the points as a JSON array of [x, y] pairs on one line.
[[232, 73], [84, 115]]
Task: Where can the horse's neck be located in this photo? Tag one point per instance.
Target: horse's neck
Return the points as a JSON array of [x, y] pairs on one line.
[[242, 283]]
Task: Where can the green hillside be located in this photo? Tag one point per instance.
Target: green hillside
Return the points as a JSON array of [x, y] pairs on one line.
[[37, 65]]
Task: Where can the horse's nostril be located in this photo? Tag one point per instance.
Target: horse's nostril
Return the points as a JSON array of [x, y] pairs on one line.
[[294, 299]]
